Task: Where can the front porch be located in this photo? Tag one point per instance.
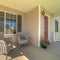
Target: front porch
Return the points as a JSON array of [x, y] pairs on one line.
[[31, 52]]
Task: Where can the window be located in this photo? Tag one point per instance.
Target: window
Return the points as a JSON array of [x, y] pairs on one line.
[[10, 23], [56, 26], [19, 23], [1, 21]]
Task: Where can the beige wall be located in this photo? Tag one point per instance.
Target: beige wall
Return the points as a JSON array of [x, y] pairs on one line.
[[32, 26], [33, 23]]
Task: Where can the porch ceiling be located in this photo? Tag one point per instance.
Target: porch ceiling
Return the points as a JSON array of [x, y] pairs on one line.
[[27, 5]]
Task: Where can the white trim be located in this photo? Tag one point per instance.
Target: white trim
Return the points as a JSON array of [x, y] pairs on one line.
[[16, 24], [54, 30], [39, 24], [4, 23], [49, 28], [8, 12]]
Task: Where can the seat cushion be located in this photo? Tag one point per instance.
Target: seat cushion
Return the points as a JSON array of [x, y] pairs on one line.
[[23, 37]]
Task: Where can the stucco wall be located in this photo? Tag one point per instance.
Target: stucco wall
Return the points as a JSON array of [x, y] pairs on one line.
[[32, 26], [33, 23]]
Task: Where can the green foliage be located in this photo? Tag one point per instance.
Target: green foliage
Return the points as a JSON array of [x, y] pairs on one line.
[[45, 42]]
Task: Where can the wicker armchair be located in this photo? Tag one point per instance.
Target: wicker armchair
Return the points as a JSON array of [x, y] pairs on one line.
[[22, 38]]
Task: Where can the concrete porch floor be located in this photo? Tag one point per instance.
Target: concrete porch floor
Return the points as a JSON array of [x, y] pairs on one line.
[[31, 52]]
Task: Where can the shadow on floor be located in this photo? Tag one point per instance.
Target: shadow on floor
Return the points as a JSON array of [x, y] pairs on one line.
[[16, 52]]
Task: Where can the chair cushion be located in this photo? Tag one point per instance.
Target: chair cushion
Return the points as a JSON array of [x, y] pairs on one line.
[[22, 37]]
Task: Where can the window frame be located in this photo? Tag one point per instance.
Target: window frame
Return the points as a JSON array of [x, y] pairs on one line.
[[16, 21], [9, 18]]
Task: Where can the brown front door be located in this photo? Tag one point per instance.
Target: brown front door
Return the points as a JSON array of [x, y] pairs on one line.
[[45, 27]]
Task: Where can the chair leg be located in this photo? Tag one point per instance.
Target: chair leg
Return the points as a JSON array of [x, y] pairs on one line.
[[6, 56]]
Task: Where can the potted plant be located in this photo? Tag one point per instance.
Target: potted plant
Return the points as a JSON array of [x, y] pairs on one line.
[[45, 43]]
